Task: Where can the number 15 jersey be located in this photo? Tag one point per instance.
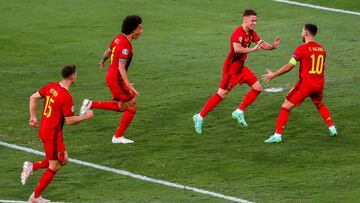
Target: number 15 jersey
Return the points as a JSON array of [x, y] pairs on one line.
[[57, 105]]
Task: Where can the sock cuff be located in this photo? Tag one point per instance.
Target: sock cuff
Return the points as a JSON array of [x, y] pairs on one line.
[[219, 96], [257, 91], [285, 109], [51, 171]]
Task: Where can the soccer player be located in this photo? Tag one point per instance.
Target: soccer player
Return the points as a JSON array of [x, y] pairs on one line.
[[57, 109], [312, 57], [123, 92], [235, 72]]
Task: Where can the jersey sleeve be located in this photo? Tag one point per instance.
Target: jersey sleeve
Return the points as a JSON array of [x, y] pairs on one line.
[[113, 43], [68, 107], [123, 51], [297, 53], [255, 37], [43, 90], [235, 37]]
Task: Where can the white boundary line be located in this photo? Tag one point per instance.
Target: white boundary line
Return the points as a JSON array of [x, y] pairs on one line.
[[136, 176], [318, 7]]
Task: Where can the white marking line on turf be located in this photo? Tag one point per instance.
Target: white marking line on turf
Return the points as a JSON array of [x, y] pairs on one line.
[[318, 7], [127, 173]]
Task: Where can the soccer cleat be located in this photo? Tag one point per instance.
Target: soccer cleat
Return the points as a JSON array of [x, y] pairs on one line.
[[85, 107], [332, 131], [27, 171], [32, 199], [239, 117], [273, 139], [121, 140], [198, 123]]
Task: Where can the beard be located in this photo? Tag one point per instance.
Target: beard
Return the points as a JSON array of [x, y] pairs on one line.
[[303, 39]]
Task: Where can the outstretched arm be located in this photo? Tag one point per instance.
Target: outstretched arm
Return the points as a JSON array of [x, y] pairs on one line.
[[243, 50], [267, 46], [271, 75], [72, 120], [105, 56], [32, 108]]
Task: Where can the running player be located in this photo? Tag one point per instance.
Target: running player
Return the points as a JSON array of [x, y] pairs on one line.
[[312, 57], [235, 72], [57, 109], [123, 92]]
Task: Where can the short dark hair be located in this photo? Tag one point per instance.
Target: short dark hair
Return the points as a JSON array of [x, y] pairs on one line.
[[249, 12], [68, 70], [311, 28], [130, 23]]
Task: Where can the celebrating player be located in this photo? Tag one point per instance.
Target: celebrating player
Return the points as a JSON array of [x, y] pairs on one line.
[[58, 107], [235, 72], [123, 92], [312, 57]]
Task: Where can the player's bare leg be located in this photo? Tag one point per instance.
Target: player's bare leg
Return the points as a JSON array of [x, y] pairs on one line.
[[209, 106], [281, 122]]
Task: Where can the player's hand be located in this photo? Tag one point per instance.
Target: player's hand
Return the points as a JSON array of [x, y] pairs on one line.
[[132, 89], [258, 45], [276, 42], [267, 77], [33, 122], [101, 63], [89, 114]]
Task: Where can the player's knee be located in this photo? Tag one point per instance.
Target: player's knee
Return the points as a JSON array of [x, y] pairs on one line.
[[257, 86], [55, 165], [222, 93], [132, 109]]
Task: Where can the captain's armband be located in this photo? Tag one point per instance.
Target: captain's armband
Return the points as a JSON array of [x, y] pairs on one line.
[[293, 61]]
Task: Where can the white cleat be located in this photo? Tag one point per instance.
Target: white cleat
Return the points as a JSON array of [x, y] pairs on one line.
[[86, 105], [121, 140], [27, 171], [32, 199]]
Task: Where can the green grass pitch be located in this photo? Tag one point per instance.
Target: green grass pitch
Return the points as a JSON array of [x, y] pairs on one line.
[[176, 67]]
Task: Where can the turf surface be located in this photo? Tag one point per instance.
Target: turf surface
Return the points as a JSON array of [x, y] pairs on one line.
[[176, 68]]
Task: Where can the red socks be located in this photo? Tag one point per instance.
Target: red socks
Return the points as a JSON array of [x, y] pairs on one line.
[[125, 121], [40, 164], [325, 114], [113, 106], [282, 120], [210, 104], [249, 99], [44, 181]]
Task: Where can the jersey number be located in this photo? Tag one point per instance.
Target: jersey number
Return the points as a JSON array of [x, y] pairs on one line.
[[112, 54], [317, 64], [47, 108]]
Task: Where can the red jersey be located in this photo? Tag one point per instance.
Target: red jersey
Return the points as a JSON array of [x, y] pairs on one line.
[[234, 62], [57, 105], [120, 48], [312, 62]]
